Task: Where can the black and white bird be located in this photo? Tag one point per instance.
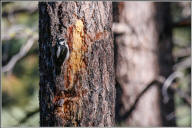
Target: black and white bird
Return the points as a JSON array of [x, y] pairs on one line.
[[61, 52]]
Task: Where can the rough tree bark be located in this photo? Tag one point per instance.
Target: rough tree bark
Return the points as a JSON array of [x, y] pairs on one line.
[[138, 26], [83, 94]]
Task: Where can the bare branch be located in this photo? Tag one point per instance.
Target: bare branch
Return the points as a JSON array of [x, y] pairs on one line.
[[159, 81], [20, 9], [23, 51], [120, 28], [128, 113], [18, 31], [183, 64], [182, 52], [167, 84], [28, 115], [13, 30], [186, 98]]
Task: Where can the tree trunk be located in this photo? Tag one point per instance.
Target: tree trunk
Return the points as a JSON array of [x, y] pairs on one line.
[[83, 94], [136, 48], [165, 59]]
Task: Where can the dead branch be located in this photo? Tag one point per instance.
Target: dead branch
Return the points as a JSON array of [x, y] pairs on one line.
[[13, 30], [121, 28], [18, 31], [168, 82], [28, 115], [15, 11], [182, 52], [183, 64], [159, 81], [128, 113], [23, 51]]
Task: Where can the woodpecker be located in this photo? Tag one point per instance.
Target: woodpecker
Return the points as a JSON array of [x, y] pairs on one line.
[[61, 53]]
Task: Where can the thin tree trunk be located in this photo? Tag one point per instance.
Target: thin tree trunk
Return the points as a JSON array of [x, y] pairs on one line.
[[142, 54], [165, 59], [83, 94]]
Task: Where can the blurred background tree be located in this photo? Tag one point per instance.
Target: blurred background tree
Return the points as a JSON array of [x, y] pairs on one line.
[[146, 39], [136, 66], [20, 77]]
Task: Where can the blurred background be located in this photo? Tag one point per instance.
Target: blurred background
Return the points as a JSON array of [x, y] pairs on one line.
[[181, 14], [20, 75]]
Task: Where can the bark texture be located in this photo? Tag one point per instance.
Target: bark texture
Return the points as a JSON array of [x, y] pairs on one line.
[[143, 50], [83, 94]]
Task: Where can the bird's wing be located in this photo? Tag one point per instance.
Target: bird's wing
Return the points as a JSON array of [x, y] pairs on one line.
[[58, 51]]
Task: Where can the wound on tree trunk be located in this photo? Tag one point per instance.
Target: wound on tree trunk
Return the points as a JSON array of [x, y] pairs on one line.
[[83, 93]]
